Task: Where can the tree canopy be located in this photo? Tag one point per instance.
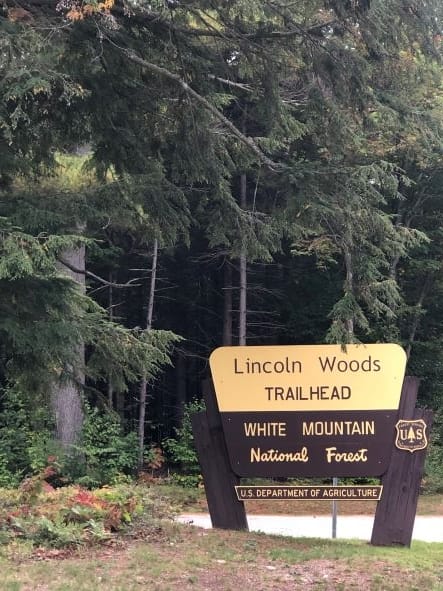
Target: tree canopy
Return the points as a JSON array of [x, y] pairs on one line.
[[290, 152]]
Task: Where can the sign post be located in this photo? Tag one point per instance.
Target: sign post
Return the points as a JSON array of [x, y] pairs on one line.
[[334, 511], [395, 513]]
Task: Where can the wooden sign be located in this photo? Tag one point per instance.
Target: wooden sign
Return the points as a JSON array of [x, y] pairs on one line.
[[308, 410], [397, 505]]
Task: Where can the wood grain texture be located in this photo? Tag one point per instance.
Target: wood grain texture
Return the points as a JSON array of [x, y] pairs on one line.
[[396, 510]]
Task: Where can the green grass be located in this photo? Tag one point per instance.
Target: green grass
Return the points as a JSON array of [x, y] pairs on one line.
[[421, 555], [186, 558]]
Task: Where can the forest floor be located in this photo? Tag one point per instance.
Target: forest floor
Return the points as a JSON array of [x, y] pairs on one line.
[[176, 557]]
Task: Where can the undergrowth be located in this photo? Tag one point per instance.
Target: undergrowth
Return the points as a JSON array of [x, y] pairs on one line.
[[72, 516]]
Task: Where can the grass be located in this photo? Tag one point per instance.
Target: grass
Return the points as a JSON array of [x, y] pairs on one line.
[[187, 558], [160, 555]]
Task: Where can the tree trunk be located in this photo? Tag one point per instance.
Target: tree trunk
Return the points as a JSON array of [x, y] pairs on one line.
[[349, 288], [67, 392], [242, 322], [111, 317], [227, 304], [418, 310], [144, 382]]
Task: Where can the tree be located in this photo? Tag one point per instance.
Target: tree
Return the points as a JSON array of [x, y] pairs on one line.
[[64, 318], [144, 382], [312, 112]]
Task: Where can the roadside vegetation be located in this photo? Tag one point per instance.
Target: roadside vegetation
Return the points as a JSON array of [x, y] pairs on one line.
[[57, 534], [123, 538]]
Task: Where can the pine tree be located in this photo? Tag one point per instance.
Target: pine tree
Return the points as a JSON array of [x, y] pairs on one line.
[[315, 107]]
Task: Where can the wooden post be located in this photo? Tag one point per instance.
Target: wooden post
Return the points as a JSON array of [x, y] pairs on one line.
[[226, 511], [395, 513]]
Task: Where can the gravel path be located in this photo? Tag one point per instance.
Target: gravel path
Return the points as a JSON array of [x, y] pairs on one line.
[[427, 529]]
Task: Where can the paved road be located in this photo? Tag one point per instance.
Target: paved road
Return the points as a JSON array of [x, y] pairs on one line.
[[427, 529]]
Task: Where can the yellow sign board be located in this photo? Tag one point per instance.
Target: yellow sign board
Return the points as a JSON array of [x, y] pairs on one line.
[[308, 377]]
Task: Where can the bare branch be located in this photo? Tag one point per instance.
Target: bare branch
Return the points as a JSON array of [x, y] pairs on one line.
[[130, 283], [245, 87]]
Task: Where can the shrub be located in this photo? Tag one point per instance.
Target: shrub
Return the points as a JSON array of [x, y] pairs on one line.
[[74, 515], [106, 454], [433, 480], [21, 449], [180, 450]]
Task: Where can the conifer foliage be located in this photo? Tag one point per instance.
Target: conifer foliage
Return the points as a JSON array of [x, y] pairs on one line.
[[279, 161]]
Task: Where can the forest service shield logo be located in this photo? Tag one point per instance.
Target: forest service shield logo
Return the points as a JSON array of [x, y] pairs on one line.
[[411, 435]]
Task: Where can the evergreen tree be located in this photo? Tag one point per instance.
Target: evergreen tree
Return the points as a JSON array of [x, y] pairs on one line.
[[222, 131]]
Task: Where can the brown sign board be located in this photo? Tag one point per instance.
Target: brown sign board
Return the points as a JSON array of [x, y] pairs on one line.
[[314, 444], [309, 493], [309, 411]]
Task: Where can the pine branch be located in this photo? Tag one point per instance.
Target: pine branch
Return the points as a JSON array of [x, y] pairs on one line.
[[145, 17], [248, 141]]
